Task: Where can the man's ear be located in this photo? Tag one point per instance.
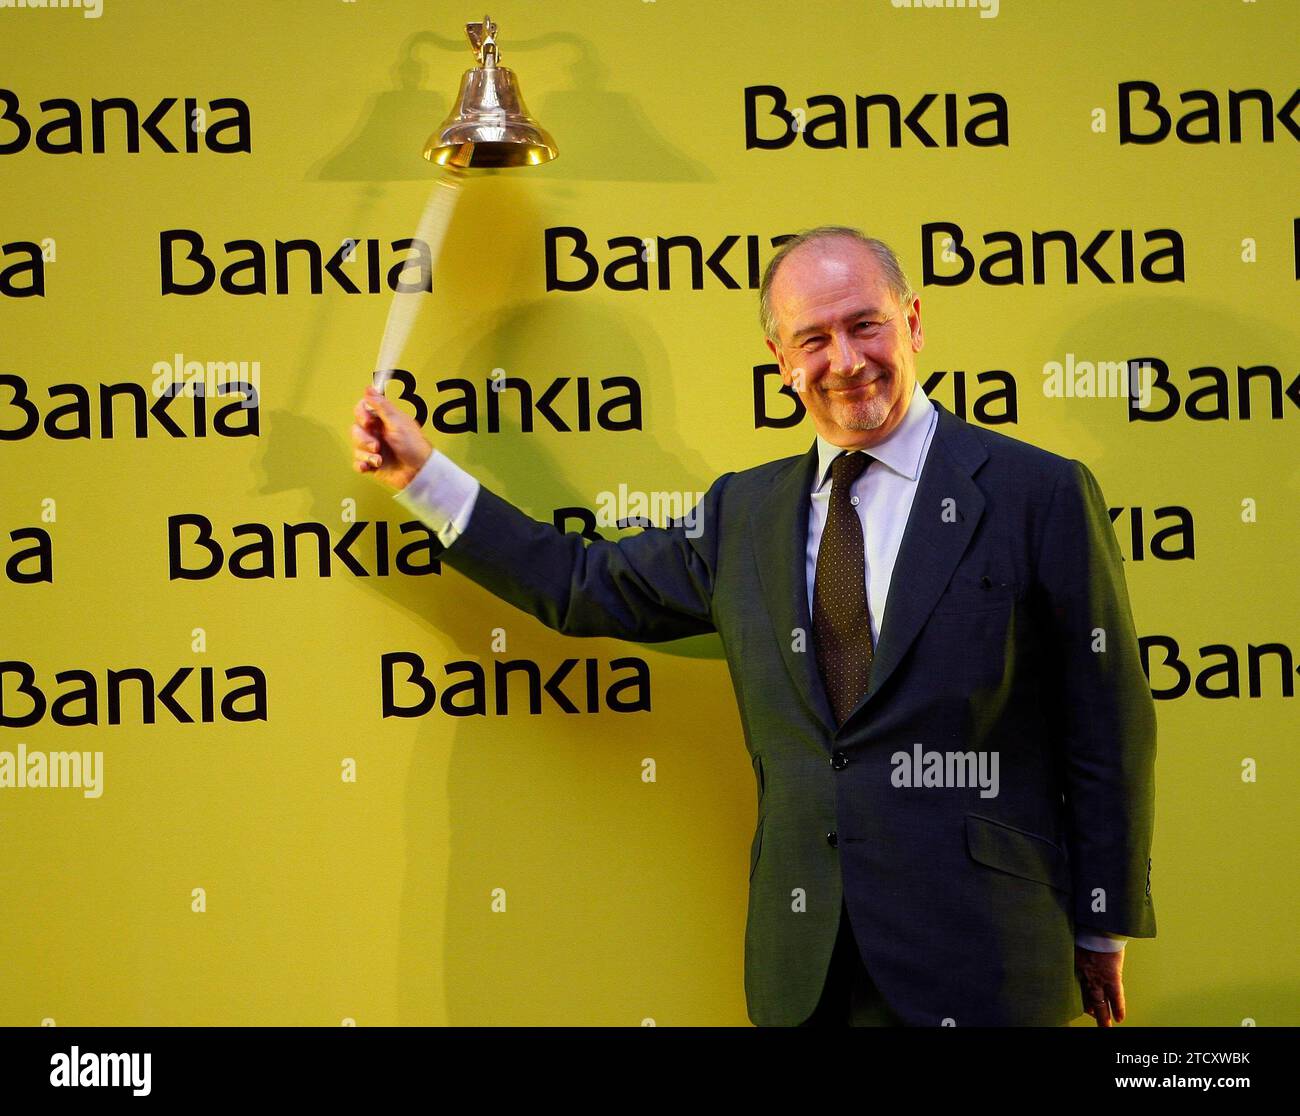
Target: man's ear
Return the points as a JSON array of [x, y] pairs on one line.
[[780, 360], [914, 325]]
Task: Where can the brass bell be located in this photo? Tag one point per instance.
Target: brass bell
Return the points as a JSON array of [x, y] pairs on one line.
[[489, 125]]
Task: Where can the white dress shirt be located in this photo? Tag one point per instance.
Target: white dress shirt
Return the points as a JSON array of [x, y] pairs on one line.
[[883, 497], [442, 495]]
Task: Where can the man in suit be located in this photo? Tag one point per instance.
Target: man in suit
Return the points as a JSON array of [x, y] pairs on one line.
[[934, 657]]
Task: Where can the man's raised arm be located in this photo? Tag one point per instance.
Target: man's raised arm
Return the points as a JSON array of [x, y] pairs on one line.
[[650, 587]]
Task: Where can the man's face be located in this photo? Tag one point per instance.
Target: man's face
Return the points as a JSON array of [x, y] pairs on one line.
[[845, 344]]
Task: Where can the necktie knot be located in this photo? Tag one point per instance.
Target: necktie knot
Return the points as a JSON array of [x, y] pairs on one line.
[[847, 467]]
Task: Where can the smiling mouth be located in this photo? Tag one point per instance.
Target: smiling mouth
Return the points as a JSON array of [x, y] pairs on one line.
[[856, 387]]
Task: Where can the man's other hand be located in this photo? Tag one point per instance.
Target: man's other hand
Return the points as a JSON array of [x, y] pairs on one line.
[[386, 441], [1101, 984]]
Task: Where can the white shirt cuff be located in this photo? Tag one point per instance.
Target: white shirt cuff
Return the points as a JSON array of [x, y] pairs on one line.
[[441, 495], [1099, 943]]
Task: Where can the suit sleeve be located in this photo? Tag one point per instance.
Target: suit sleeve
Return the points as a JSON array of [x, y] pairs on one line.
[[648, 588], [1107, 724]]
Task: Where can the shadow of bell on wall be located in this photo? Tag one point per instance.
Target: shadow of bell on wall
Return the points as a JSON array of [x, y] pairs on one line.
[[385, 144], [606, 135]]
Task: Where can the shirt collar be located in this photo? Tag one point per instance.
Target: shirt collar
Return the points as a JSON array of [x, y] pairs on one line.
[[900, 450]]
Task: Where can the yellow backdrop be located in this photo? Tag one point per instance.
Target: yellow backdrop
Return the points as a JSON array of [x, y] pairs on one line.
[[267, 847]]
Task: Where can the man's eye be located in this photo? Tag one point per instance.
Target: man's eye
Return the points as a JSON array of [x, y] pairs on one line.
[[867, 324]]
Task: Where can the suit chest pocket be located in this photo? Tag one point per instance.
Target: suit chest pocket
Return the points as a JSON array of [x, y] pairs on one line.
[[976, 594], [971, 639]]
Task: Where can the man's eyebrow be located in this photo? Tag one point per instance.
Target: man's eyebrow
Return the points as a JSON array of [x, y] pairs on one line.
[[866, 312]]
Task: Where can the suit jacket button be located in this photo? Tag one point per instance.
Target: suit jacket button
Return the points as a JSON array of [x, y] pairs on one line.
[[832, 839], [839, 761]]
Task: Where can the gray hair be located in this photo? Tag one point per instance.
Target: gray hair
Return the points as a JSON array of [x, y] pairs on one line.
[[895, 278]]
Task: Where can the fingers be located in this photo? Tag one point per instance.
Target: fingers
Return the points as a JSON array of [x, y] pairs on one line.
[[364, 440], [377, 406], [1117, 1001], [364, 416], [367, 449], [367, 452], [365, 462], [384, 438], [1100, 985], [1096, 1006]]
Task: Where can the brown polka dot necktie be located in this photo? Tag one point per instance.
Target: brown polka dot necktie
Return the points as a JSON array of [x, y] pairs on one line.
[[841, 622]]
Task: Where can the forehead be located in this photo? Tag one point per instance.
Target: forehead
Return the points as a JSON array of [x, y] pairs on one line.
[[822, 279]]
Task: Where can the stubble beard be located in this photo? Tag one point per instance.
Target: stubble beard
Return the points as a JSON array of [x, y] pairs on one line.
[[864, 414]]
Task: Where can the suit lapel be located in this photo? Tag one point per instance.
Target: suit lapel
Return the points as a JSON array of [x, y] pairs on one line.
[[932, 545], [946, 509], [779, 529]]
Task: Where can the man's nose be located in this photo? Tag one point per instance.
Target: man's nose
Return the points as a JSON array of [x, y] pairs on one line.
[[844, 359]]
